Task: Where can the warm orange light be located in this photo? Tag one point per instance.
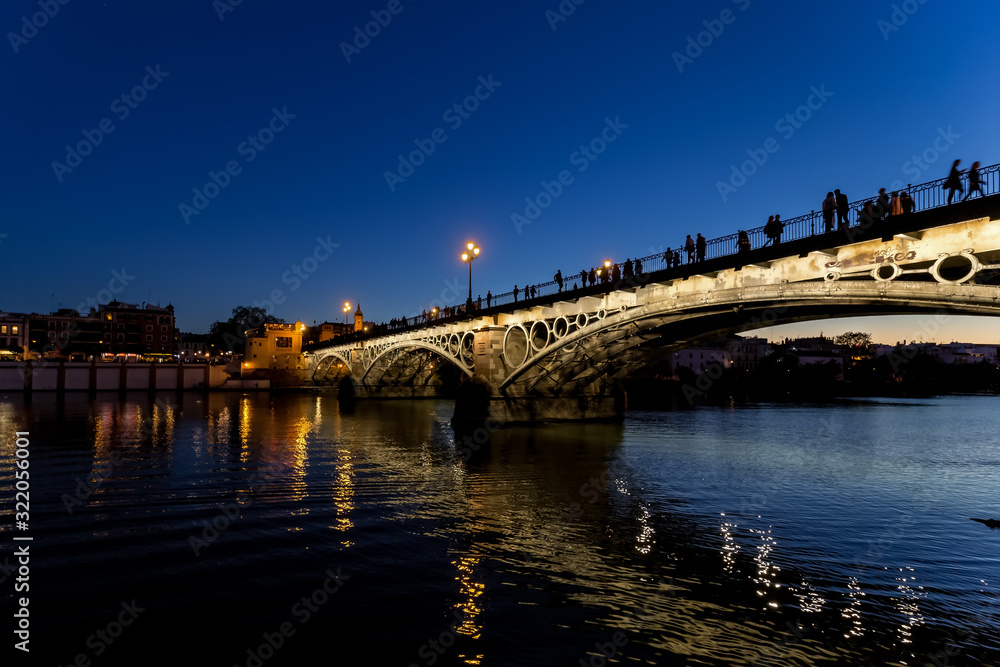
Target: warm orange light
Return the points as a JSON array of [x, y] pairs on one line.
[[607, 263], [470, 245], [465, 257]]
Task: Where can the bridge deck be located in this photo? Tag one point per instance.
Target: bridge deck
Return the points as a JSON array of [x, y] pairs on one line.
[[655, 271]]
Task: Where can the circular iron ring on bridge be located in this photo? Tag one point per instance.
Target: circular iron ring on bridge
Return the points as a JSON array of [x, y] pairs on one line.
[[831, 276], [601, 314], [515, 346], [468, 349], [880, 274], [561, 327], [974, 266], [539, 335], [454, 345], [582, 320]]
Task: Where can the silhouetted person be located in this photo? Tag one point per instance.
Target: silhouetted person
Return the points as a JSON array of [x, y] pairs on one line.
[[896, 205], [515, 293], [700, 246], [779, 227], [489, 298], [677, 258], [534, 291], [668, 258], [829, 208], [638, 267], [627, 269], [583, 278], [743, 242], [882, 204], [866, 214], [843, 209], [769, 228], [689, 248], [616, 272], [559, 279], [908, 204], [953, 183], [593, 277], [975, 184]]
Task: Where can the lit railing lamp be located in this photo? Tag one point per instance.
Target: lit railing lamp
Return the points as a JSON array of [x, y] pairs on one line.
[[469, 257], [347, 309]]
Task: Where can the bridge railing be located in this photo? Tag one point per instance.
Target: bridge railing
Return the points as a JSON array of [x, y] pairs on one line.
[[926, 196]]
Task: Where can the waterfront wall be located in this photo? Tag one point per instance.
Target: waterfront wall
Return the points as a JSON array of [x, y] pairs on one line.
[[83, 376]]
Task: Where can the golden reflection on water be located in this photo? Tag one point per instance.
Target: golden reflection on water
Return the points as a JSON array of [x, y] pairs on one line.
[[468, 607]]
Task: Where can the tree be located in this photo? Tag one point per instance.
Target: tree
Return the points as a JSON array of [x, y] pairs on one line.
[[231, 334], [857, 340]]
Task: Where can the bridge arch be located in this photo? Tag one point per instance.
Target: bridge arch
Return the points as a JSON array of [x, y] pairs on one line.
[[607, 349]]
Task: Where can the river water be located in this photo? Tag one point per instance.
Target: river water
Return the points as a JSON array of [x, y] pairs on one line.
[[279, 530]]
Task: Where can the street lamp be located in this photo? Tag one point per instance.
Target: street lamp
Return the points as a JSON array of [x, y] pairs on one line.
[[347, 309], [469, 257]]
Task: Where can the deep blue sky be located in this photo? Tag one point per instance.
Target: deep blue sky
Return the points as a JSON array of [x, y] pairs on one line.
[[324, 173]]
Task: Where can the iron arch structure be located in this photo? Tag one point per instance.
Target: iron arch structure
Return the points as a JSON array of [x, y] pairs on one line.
[[563, 357]]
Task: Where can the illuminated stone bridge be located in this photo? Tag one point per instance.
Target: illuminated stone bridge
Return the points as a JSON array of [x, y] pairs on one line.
[[562, 356]]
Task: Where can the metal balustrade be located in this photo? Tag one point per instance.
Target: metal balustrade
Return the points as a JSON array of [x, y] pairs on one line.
[[926, 196]]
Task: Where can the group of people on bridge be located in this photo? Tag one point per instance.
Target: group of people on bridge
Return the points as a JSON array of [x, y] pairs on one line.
[[834, 206]]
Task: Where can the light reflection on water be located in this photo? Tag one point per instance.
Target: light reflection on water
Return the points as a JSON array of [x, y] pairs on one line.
[[776, 534]]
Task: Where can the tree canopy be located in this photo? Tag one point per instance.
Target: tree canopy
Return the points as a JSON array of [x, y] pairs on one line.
[[231, 334]]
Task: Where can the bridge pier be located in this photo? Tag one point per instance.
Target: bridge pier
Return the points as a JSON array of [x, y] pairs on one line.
[[526, 409]]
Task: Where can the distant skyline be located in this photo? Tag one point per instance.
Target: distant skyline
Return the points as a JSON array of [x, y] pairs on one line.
[[297, 155]]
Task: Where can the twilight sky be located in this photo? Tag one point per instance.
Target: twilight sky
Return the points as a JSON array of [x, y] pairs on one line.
[[212, 154]]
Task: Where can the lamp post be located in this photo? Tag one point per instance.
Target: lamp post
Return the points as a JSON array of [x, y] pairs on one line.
[[469, 257], [347, 309]]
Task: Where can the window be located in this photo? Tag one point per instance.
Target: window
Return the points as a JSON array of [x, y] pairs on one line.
[[163, 328], [283, 341], [163, 339], [149, 327], [13, 329], [149, 339], [3, 329]]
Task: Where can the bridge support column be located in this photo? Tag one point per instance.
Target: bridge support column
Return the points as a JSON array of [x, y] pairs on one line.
[[527, 409]]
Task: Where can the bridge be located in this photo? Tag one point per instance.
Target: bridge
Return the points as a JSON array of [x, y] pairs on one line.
[[562, 354]]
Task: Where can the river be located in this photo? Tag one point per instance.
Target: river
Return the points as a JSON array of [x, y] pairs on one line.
[[260, 529]]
